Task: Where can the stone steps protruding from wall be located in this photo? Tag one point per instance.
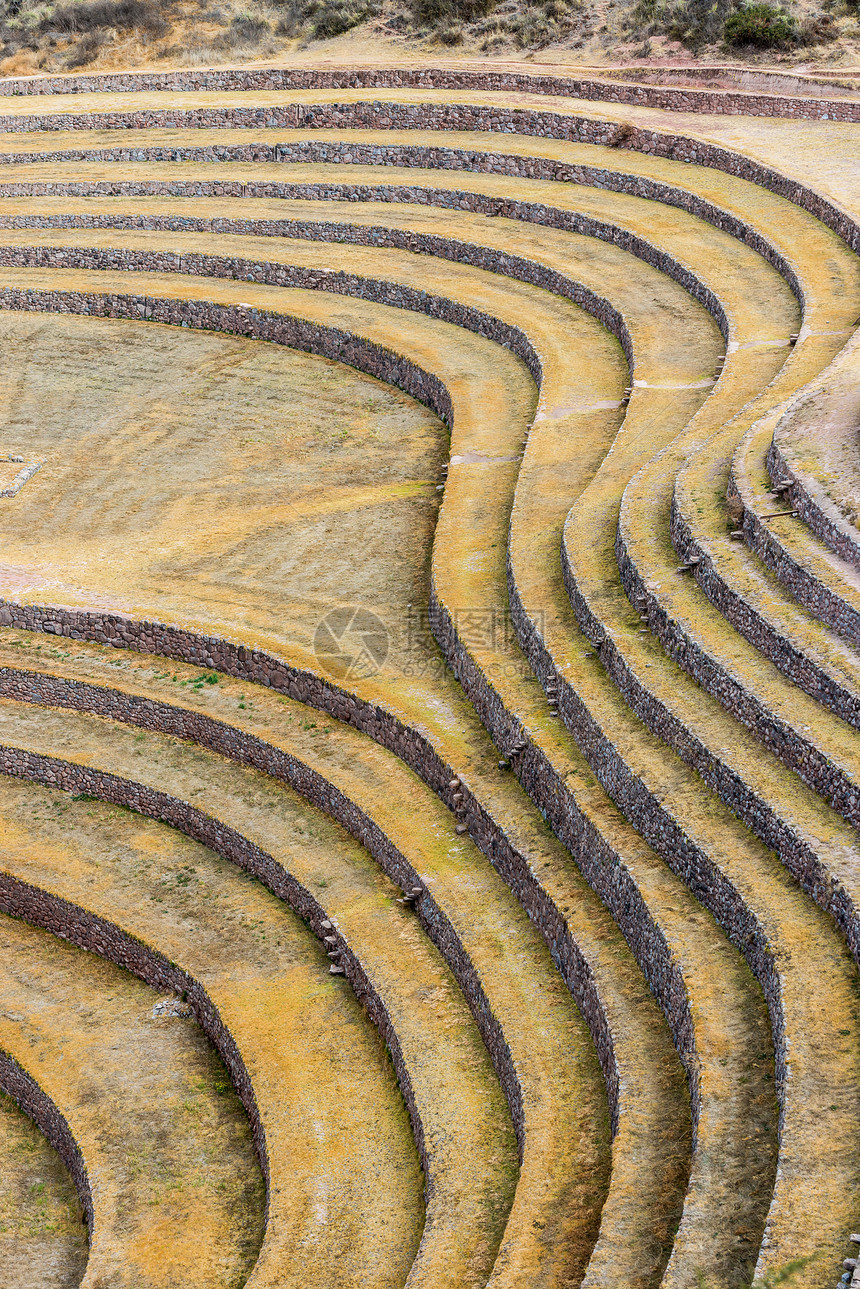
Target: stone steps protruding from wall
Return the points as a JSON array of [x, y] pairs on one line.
[[825, 584]]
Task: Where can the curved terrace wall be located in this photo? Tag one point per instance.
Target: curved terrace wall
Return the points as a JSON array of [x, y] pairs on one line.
[[809, 590], [464, 117], [35, 1102], [673, 99], [407, 743], [225, 841], [602, 866], [799, 666], [256, 666]]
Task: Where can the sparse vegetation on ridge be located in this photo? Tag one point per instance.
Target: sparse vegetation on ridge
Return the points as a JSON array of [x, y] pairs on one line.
[[36, 35], [762, 25]]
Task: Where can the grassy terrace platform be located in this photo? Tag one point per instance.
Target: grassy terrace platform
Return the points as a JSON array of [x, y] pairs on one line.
[[405, 678], [175, 1156], [43, 1236]]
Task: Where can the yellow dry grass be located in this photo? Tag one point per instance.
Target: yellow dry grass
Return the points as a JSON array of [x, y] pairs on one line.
[[242, 490], [176, 1189], [344, 1176], [41, 1230]]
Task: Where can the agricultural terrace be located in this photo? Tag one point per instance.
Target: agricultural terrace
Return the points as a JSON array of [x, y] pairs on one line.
[[429, 681]]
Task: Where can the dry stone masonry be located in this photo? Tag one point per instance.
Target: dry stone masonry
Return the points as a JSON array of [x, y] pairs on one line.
[[623, 833]]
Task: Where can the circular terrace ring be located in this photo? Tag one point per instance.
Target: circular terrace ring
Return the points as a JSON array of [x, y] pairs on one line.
[[351, 643]]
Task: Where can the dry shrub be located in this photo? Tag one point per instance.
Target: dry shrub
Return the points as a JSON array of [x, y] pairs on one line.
[[338, 16], [120, 15], [86, 50], [450, 13], [692, 22], [323, 19], [18, 62], [290, 22], [534, 26], [817, 29], [245, 29]]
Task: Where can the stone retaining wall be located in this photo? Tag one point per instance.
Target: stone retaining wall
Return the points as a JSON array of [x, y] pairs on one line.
[[809, 499], [801, 668], [785, 742], [96, 935], [253, 665], [603, 867], [829, 778], [486, 833], [818, 597], [392, 294], [420, 195], [81, 927], [243, 320], [669, 98], [34, 1101], [454, 117], [706, 881], [699, 871], [248, 749], [260, 668], [794, 849], [235, 659], [738, 72], [92, 933]]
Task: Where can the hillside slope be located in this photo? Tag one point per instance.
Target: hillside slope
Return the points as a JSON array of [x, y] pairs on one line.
[[113, 34]]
